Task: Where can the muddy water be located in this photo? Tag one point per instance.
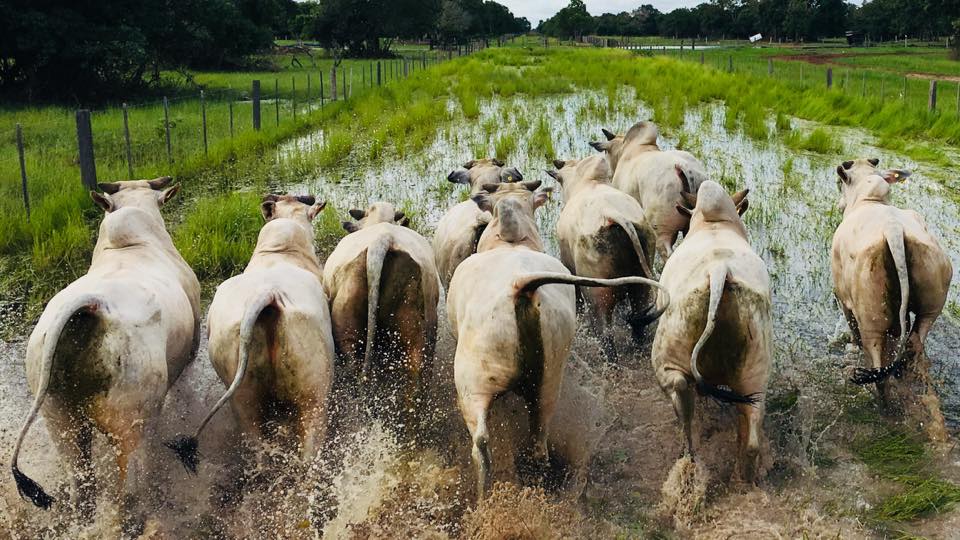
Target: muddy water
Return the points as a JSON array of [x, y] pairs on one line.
[[614, 430]]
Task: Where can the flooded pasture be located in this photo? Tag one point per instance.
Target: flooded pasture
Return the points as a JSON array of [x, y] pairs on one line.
[[615, 437]]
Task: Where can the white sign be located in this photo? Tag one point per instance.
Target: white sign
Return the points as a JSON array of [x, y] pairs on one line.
[[755, 38]]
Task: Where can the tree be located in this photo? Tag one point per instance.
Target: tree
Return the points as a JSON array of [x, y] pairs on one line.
[[572, 21]]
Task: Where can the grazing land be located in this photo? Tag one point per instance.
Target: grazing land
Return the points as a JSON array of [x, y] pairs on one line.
[[833, 465]]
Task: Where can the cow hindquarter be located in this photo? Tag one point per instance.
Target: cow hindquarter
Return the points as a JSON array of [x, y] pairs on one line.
[[407, 318]]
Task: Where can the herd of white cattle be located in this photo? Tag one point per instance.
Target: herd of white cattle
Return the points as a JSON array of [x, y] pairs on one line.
[[109, 346]]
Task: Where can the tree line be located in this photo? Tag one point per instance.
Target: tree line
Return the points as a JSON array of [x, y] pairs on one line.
[[82, 50], [788, 20]]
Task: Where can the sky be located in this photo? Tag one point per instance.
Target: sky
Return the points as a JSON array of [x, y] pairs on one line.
[[538, 10]]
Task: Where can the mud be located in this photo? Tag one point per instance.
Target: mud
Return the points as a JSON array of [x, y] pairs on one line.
[[615, 441]]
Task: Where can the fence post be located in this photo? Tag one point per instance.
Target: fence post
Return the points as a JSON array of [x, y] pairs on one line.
[[378, 74], [882, 83], [932, 100], [958, 98], [349, 93], [255, 97], [801, 74], [322, 97], [344, 83], [863, 85], [829, 78], [293, 98], [904, 87], [371, 74], [166, 125], [406, 71], [126, 138], [276, 98], [701, 58], [230, 106], [308, 91], [203, 118], [23, 171], [88, 166], [424, 59], [333, 83], [769, 66], [730, 68]]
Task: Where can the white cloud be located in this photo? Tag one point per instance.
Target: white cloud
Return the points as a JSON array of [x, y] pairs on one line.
[[537, 10]]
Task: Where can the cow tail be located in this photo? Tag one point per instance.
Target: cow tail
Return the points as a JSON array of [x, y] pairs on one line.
[[26, 486], [893, 234], [186, 446], [376, 253], [631, 231], [529, 283], [717, 278]]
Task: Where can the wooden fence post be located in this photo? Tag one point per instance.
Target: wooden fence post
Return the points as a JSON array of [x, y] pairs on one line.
[[371, 74], [346, 93], [255, 97], [88, 166], [958, 98], [801, 74], [769, 66], [293, 98], [701, 58], [322, 97], [166, 126], [829, 78], [203, 118], [333, 83], [424, 59], [230, 106], [308, 90], [23, 171], [932, 100], [730, 68], [344, 83], [863, 85], [882, 83], [904, 88], [379, 81], [276, 98], [126, 138]]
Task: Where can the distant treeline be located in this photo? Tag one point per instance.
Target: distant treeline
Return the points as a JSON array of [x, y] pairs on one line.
[[789, 20], [81, 50]]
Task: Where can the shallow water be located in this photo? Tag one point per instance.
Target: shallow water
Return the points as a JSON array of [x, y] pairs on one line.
[[613, 422]]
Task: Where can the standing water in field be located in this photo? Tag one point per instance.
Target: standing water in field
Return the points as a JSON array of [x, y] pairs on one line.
[[615, 438]]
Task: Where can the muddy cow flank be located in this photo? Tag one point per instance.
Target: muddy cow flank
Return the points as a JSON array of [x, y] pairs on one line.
[[603, 233], [514, 319], [270, 334], [383, 289], [108, 347], [886, 265], [458, 231], [655, 178], [715, 337]]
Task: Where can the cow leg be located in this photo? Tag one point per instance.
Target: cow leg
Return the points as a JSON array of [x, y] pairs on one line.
[[917, 339], [665, 245], [873, 349], [312, 428], [602, 302], [126, 442], [475, 409], [749, 420], [73, 436], [682, 396], [852, 323]]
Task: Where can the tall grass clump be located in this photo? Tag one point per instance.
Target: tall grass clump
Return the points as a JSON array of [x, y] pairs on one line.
[[504, 145], [541, 142], [336, 147], [819, 140], [218, 235]]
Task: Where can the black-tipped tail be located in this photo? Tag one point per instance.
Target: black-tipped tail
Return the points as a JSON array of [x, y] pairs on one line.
[[29, 489], [726, 395], [863, 376], [186, 448]]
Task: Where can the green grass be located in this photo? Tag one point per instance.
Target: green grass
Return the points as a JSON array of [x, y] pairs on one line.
[[819, 140], [219, 234]]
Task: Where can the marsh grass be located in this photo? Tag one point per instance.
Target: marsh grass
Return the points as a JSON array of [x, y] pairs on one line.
[[819, 140]]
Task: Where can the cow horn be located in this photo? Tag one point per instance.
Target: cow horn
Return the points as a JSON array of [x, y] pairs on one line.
[[491, 188], [739, 196], [109, 187], [357, 214], [469, 164], [689, 198], [532, 185], [271, 197], [608, 134], [559, 163], [160, 183], [497, 162], [874, 161], [308, 200], [847, 164]]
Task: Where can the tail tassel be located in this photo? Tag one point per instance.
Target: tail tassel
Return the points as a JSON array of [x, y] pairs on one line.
[[726, 395], [31, 490], [864, 376], [187, 450]]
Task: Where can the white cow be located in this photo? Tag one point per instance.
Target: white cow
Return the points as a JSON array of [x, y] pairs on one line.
[[717, 331], [656, 178], [270, 334], [514, 321], [458, 231], [108, 347]]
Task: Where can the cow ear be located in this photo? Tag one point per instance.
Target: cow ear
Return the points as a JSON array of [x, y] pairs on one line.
[[168, 194], [842, 173], [740, 196], [357, 214], [497, 162], [398, 216], [689, 198], [559, 163], [684, 182], [350, 226], [684, 211], [555, 175], [109, 187], [102, 200], [483, 201], [469, 164], [267, 208], [314, 210], [308, 200], [874, 161], [600, 146], [404, 222], [742, 207], [608, 134], [510, 174], [491, 188], [540, 198], [160, 183], [892, 176], [532, 185], [459, 177]]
